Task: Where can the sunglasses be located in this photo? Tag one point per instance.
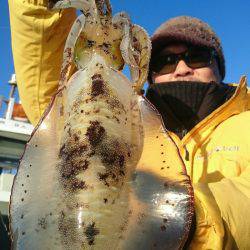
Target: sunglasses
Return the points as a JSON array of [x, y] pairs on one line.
[[194, 58]]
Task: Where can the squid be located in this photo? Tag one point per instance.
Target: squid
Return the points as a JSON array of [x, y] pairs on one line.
[[100, 171]]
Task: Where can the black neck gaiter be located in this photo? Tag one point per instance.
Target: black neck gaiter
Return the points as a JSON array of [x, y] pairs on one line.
[[183, 104]]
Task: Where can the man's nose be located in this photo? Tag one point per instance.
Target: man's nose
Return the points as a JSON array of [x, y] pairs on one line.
[[182, 69]]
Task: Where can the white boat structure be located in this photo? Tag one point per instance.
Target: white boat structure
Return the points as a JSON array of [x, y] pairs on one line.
[[15, 130]]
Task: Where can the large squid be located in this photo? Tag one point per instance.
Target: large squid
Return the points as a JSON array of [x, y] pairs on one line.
[[100, 171]]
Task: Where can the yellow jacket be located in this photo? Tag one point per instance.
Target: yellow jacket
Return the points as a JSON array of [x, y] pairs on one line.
[[216, 151], [38, 38]]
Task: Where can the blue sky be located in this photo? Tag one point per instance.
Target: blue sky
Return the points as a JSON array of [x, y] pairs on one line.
[[230, 20]]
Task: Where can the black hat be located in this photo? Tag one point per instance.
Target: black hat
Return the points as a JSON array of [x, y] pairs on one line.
[[189, 30]]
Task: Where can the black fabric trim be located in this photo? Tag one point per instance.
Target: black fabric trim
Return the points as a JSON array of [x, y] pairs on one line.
[[183, 104]]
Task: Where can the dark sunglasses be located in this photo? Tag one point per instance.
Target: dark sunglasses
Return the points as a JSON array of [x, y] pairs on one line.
[[194, 58]]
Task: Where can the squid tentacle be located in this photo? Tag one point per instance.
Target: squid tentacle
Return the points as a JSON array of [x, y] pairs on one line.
[[135, 49], [68, 53], [104, 8], [123, 20], [142, 49], [78, 4], [97, 8]]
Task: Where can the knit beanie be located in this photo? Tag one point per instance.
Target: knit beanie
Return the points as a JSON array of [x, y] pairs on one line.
[[189, 30]]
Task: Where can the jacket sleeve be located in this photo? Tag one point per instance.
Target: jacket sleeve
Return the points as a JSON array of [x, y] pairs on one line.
[[222, 220], [38, 38]]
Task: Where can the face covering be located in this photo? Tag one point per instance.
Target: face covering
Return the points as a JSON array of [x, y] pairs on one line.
[[183, 104]]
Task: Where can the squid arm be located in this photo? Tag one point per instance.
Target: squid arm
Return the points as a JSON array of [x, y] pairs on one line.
[[136, 49], [68, 53]]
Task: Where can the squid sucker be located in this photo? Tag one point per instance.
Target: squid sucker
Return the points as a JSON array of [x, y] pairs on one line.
[[100, 170]]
